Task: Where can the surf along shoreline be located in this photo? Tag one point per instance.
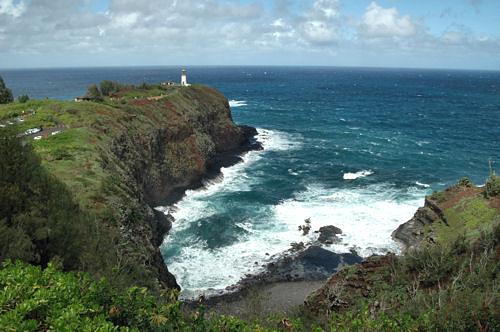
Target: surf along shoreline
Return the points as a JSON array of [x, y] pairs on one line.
[[287, 277]]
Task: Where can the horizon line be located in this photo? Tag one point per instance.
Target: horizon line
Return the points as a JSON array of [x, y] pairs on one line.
[[254, 65]]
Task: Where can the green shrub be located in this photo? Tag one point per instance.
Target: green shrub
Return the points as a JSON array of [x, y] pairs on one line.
[[493, 186], [438, 196], [23, 99], [109, 87], [35, 299], [465, 182], [93, 93]]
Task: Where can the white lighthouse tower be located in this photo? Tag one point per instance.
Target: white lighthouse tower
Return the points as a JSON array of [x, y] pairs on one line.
[[184, 81]]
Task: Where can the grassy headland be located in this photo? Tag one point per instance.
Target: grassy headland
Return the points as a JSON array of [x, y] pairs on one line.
[[117, 157]]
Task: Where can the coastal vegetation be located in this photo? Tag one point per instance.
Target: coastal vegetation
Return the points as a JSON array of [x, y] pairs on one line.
[[79, 237]]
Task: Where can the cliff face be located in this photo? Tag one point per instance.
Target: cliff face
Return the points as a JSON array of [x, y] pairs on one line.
[[158, 163], [132, 151]]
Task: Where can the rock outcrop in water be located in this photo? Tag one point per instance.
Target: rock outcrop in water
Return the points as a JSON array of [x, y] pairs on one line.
[[328, 234]]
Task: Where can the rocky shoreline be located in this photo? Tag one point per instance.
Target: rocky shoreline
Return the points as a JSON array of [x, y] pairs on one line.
[[221, 159], [164, 220], [285, 280]]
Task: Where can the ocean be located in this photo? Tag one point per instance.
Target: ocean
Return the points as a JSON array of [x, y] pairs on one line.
[[358, 148]]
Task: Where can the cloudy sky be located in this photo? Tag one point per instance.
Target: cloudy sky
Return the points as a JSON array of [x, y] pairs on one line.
[[389, 33]]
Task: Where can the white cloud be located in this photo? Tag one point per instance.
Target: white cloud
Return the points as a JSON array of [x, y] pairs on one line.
[[321, 24], [326, 8], [318, 32], [124, 20], [379, 22], [8, 7], [166, 31]]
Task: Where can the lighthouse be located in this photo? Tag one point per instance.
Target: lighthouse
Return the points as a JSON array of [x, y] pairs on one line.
[[184, 81]]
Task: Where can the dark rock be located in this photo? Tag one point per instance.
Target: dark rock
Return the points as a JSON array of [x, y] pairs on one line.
[[328, 234], [297, 246], [313, 263], [411, 233]]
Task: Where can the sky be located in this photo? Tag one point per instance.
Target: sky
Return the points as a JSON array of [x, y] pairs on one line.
[[462, 34]]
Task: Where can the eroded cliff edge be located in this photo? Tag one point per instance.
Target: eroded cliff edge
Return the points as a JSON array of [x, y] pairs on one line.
[[122, 154]]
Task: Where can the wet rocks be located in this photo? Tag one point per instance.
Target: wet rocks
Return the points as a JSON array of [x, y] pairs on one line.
[[328, 234], [412, 233], [306, 227]]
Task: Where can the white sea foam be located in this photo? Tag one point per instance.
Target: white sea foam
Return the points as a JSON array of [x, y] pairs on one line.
[[197, 268], [273, 140], [237, 103], [425, 185], [357, 175], [367, 217]]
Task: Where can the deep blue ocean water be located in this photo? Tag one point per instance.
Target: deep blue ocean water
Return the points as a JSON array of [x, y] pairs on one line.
[[356, 148]]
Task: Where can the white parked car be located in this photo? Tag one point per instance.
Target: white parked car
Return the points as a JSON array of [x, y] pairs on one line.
[[32, 131]]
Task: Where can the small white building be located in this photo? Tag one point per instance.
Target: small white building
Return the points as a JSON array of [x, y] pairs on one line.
[[184, 81]]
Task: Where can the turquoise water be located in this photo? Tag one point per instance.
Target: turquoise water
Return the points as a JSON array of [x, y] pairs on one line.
[[355, 148]]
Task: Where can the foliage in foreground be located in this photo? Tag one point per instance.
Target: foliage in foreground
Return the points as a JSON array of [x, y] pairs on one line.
[[33, 299], [437, 288]]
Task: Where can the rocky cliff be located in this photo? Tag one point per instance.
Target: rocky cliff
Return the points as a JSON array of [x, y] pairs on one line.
[[456, 227], [130, 152]]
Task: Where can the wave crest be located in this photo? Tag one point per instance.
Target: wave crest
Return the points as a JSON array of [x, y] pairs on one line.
[[237, 103], [357, 175]]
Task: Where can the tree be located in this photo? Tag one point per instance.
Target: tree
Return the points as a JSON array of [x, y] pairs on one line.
[[23, 98], [5, 93], [109, 87], [93, 93]]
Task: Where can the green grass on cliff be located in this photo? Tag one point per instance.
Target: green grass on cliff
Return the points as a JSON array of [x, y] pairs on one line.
[[86, 129], [468, 217], [114, 160], [466, 211]]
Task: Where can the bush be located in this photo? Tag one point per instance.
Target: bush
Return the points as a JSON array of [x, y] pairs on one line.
[[465, 182], [35, 299], [493, 186], [93, 93], [438, 196], [40, 220], [23, 98], [109, 87], [5, 93]]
